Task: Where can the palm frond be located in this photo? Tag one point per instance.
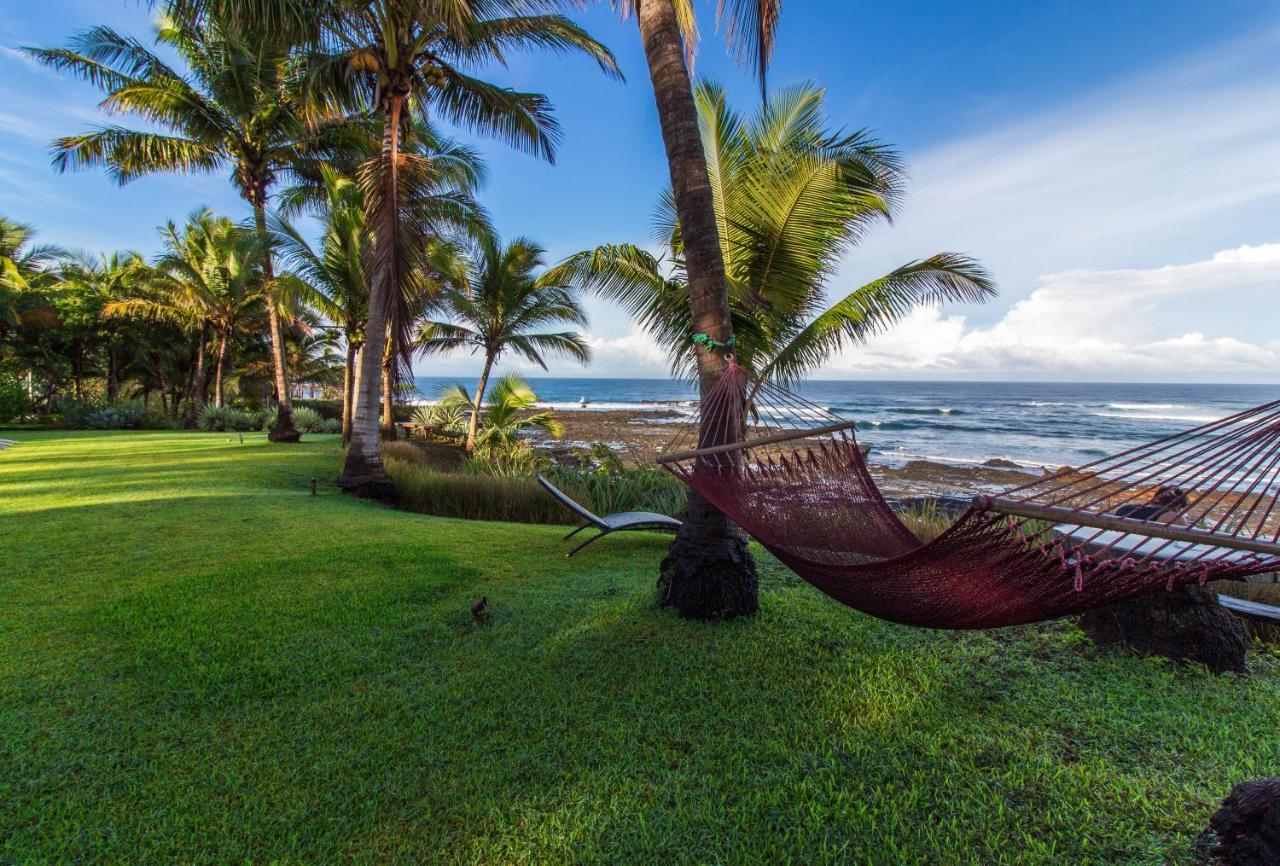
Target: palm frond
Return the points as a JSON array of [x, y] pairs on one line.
[[876, 306]]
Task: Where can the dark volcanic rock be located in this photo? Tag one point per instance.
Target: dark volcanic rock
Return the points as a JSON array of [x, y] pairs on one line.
[[1187, 624], [1247, 825]]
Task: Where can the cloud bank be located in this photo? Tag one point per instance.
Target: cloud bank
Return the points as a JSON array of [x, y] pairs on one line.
[[1104, 324], [1083, 324]]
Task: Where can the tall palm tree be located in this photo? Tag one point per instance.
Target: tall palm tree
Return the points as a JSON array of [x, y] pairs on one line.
[[791, 198], [411, 57], [334, 274], [208, 275], [438, 181], [505, 305], [708, 571], [240, 106]]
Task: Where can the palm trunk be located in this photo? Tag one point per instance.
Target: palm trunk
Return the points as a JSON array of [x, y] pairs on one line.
[[217, 372], [473, 426], [113, 375], [708, 571], [348, 383], [284, 429], [363, 473], [164, 386], [389, 395], [199, 383]]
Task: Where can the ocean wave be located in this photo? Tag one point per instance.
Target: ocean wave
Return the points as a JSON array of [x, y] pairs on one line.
[[1147, 406], [936, 410], [1149, 416], [603, 406]]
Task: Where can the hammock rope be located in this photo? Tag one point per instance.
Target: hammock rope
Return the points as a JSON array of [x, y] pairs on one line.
[[792, 475]]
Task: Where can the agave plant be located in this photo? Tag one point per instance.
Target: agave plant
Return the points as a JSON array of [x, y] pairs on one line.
[[448, 418]]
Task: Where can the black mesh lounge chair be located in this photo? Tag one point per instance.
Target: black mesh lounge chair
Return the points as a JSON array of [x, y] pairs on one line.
[[619, 522]]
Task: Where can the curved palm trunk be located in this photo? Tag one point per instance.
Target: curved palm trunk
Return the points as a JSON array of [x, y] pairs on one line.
[[477, 400], [708, 571], [218, 370], [284, 429], [363, 473], [349, 375]]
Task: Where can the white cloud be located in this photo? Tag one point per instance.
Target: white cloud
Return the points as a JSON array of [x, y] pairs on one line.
[[1108, 324], [1164, 167]]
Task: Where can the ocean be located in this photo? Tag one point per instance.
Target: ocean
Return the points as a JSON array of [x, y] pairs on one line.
[[966, 423]]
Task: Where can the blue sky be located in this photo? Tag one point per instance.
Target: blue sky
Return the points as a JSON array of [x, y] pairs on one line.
[[1116, 165]]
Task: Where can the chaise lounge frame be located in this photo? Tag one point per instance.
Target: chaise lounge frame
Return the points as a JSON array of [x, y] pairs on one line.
[[623, 521]]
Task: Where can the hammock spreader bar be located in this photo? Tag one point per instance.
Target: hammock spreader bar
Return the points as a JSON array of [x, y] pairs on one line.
[[774, 439], [1129, 526]]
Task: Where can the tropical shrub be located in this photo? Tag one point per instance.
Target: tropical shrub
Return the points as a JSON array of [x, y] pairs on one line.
[[225, 419], [326, 408], [13, 398], [618, 488], [517, 460], [471, 496], [508, 412], [308, 420], [331, 425], [75, 414], [130, 415]]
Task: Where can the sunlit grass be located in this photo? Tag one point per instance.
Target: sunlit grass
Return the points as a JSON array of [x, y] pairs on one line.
[[201, 662]]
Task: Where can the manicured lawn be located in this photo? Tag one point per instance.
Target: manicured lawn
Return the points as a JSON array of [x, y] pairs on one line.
[[200, 662]]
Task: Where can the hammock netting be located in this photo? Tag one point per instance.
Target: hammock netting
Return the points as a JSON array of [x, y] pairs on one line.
[[792, 475]]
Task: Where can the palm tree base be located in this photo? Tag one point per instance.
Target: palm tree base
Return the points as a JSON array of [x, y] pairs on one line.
[[366, 480], [708, 572], [378, 489], [287, 434]]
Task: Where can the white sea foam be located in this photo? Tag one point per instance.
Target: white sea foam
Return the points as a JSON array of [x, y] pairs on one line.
[[1146, 407], [1155, 416], [603, 406]]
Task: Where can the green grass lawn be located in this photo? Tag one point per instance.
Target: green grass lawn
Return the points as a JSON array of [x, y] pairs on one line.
[[200, 662]]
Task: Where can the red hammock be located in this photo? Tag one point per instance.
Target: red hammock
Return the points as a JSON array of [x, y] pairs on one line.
[[792, 475]]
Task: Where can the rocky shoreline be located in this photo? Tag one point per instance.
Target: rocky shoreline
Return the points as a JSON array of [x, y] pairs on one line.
[[639, 436]]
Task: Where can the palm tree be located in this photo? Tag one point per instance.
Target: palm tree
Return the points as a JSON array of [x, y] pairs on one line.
[[503, 415], [334, 275], [791, 198], [438, 181], [209, 275], [240, 106], [504, 305], [410, 57], [97, 281], [708, 571], [23, 265]]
